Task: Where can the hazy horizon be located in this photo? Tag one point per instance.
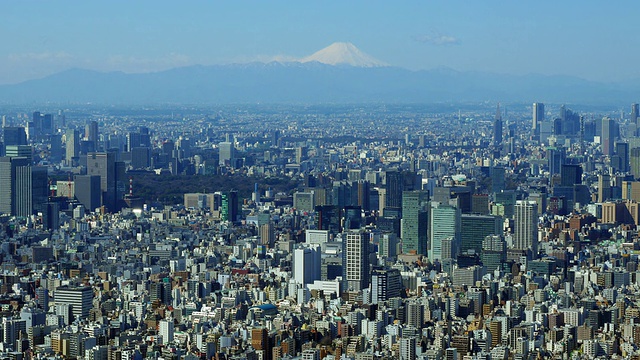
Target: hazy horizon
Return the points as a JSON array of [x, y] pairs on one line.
[[590, 40]]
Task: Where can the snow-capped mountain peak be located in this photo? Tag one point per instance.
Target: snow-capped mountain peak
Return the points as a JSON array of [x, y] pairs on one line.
[[343, 53]]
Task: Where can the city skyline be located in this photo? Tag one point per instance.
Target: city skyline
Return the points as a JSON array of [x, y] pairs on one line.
[[501, 38]]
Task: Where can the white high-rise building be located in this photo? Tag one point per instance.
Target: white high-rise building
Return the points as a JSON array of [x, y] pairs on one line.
[[444, 223], [166, 330], [306, 264], [526, 225]]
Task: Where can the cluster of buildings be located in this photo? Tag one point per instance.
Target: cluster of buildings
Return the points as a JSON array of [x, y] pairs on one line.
[[447, 235]]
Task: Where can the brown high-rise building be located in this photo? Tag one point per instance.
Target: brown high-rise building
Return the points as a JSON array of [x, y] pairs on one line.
[[260, 341]]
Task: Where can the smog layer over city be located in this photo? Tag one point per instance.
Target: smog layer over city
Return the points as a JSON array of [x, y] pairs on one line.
[[443, 180]]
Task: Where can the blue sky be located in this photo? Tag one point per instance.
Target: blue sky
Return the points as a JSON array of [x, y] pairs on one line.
[[589, 39]]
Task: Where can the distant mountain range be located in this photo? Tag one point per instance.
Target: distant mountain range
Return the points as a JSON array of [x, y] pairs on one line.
[[339, 73]]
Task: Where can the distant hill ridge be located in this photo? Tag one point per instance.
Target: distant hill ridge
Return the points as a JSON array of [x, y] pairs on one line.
[[339, 73]]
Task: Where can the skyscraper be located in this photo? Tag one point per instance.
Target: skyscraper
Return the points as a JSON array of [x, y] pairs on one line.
[[635, 113], [570, 175], [414, 221], [355, 263], [230, 210], [538, 117], [394, 181], [306, 265], [227, 153], [634, 162], [497, 128], [91, 131], [608, 135], [23, 188], [166, 330], [15, 135], [79, 298], [112, 177], [475, 228], [526, 225], [622, 155], [385, 284], [444, 222], [73, 145], [88, 191]]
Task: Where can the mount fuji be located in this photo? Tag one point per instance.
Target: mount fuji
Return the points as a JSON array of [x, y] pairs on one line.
[[343, 53], [339, 73]]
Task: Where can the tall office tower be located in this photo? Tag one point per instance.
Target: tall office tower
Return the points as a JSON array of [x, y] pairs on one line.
[[408, 348], [103, 164], [35, 181], [4, 121], [570, 175], [526, 225], [73, 146], [260, 341], [634, 162], [622, 156], [42, 298], [88, 191], [635, 113], [301, 154], [51, 215], [394, 186], [166, 330], [475, 228], [268, 234], [497, 179], [538, 118], [133, 140], [80, 299], [15, 135], [415, 210], [608, 135], [385, 284], [352, 218], [46, 124], [328, 218], [355, 261], [444, 223], [604, 187], [227, 153], [306, 265], [61, 120], [494, 252], [388, 246], [145, 136], [364, 195], [8, 172], [480, 204], [415, 314], [91, 131], [19, 151], [555, 158], [230, 210], [497, 128], [12, 330], [55, 148]]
